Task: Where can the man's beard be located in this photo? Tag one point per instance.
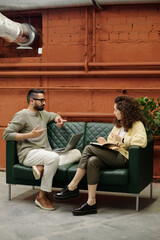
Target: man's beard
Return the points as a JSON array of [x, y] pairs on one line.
[[39, 108]]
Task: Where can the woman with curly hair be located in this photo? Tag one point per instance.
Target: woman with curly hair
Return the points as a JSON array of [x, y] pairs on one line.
[[128, 130]]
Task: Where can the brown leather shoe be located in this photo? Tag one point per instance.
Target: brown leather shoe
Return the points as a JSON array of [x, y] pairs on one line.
[[49, 195], [44, 203]]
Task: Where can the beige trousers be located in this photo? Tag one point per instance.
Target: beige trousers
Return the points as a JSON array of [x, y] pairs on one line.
[[50, 160]]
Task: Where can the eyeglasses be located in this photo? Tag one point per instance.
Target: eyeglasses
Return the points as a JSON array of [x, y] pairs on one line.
[[42, 100]]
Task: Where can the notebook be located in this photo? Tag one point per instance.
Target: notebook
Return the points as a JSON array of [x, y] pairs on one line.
[[71, 144]]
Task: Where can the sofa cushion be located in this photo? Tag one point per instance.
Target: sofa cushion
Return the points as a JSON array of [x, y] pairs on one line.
[[95, 130], [59, 137], [114, 176], [23, 172], [61, 174], [107, 177]]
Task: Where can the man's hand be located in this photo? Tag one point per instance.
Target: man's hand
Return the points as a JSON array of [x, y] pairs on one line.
[[33, 134], [60, 122], [36, 133]]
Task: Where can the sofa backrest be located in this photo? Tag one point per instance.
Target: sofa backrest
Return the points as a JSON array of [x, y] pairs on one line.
[[95, 130], [59, 137]]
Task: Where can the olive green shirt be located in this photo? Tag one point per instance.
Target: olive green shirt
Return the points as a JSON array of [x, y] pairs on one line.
[[25, 121]]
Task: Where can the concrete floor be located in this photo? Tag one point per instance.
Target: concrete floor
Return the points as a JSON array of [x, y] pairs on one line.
[[116, 218]]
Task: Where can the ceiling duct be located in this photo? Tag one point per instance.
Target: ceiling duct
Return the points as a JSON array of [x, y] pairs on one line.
[[21, 33], [12, 5]]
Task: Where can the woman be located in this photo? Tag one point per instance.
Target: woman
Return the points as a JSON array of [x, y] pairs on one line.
[[128, 130]]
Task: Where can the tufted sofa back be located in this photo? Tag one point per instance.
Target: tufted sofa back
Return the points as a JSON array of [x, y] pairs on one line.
[[95, 130], [59, 137]]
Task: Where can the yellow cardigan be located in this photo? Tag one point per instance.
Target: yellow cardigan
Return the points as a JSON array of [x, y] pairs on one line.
[[135, 136]]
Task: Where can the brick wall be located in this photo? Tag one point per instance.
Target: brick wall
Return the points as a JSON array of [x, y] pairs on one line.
[[111, 52], [128, 33]]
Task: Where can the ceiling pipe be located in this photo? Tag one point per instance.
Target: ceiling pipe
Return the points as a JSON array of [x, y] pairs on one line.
[[12, 5], [23, 34], [112, 2]]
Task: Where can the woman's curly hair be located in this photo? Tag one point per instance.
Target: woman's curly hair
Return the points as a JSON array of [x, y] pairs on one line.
[[130, 112]]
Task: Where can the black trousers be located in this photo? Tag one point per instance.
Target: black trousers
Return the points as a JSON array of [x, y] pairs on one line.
[[96, 158]]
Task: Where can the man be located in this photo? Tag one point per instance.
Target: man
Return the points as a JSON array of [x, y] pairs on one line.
[[28, 128]]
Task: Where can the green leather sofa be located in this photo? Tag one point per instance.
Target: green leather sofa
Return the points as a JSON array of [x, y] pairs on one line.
[[131, 181]]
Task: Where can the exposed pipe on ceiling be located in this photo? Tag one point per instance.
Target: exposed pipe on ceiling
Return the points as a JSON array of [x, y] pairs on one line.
[[21, 33], [24, 34], [13, 5]]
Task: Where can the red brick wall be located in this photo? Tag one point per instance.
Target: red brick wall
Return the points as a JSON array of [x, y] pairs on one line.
[[128, 33], [108, 53]]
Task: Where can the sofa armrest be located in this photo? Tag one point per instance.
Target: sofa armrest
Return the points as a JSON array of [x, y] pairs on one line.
[[11, 160], [140, 167]]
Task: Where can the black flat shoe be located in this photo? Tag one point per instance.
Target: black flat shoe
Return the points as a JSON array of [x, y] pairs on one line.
[[65, 193], [85, 209]]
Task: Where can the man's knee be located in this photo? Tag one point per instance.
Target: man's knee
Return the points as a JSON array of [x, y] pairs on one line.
[[76, 153], [57, 159], [53, 159]]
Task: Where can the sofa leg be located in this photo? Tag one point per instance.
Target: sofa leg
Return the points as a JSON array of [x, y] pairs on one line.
[[151, 190], [9, 192], [137, 203]]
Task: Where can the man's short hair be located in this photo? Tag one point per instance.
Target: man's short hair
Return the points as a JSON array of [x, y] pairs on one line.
[[32, 93]]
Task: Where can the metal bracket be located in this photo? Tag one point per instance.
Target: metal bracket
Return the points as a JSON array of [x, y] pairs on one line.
[[96, 5]]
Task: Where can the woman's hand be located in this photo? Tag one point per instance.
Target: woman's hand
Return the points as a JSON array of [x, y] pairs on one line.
[[116, 138], [101, 140]]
